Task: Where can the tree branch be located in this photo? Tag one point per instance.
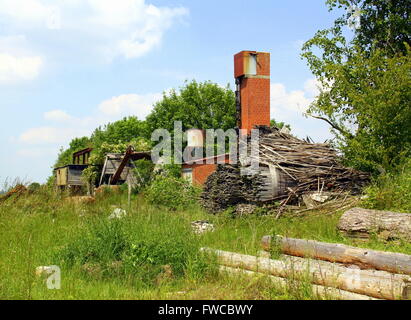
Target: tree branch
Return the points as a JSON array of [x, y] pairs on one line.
[[334, 125]]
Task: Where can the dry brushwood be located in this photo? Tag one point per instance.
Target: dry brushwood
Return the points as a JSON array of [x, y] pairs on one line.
[[302, 166], [15, 192]]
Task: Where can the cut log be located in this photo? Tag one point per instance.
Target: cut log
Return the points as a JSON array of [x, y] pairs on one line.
[[332, 252], [360, 223], [319, 291], [377, 284]]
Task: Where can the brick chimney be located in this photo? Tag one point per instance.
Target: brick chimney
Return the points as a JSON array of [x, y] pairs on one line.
[[252, 74]]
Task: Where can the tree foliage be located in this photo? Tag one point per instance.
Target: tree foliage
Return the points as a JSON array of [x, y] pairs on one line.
[[203, 105], [365, 83]]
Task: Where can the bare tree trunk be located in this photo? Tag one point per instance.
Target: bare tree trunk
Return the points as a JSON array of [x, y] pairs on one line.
[[318, 291], [360, 223], [364, 258], [377, 284]]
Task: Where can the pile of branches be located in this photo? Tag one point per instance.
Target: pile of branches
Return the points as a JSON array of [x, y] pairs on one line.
[[15, 192], [311, 166], [306, 166]]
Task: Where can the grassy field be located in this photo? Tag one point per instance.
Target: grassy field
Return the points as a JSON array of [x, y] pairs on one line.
[[150, 254]]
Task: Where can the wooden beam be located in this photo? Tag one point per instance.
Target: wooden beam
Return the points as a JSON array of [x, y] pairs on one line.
[[122, 165], [334, 252]]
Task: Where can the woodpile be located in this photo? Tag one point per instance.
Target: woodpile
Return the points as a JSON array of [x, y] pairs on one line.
[[335, 252], [289, 168], [320, 292], [350, 282], [226, 187], [361, 223]]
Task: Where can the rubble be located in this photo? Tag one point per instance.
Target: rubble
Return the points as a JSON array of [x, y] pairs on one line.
[[118, 214], [202, 226], [289, 169]]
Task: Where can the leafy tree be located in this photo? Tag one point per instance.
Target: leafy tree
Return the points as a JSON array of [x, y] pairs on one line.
[[121, 131], [198, 105], [365, 86], [383, 24]]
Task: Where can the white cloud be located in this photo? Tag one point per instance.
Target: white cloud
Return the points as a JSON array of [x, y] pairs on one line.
[[138, 105], [57, 115], [50, 135], [129, 28], [70, 126], [285, 102], [15, 69], [290, 106]]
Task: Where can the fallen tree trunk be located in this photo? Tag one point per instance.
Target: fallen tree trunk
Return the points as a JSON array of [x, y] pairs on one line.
[[364, 258], [360, 223], [318, 291], [377, 284]]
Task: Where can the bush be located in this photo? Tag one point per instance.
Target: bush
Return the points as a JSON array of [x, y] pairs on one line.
[[173, 193], [391, 191], [144, 174]]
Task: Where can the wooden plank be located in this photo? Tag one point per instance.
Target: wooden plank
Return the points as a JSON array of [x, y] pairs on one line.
[[333, 252], [377, 284]]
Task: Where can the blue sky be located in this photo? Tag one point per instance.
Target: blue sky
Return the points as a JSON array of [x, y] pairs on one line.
[[68, 66]]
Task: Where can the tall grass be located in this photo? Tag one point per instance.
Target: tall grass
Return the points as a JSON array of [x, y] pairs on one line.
[[150, 254], [391, 191]]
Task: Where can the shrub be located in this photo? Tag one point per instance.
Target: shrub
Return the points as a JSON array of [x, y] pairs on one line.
[[144, 174], [173, 193]]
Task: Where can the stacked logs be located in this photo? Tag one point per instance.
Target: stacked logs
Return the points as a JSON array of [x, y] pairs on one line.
[[226, 187], [335, 271]]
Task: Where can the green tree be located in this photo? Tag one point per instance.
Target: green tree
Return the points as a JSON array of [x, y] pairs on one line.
[[365, 87], [121, 131], [382, 24], [198, 105]]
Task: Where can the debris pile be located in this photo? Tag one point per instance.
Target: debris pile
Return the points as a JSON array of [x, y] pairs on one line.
[[15, 192], [289, 168], [202, 226]]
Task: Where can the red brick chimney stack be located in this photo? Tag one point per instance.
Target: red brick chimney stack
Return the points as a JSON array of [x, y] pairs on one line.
[[252, 73]]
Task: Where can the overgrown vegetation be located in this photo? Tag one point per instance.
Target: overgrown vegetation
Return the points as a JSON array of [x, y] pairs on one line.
[[391, 191], [173, 193]]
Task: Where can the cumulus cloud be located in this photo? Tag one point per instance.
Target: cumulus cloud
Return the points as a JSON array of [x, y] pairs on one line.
[[70, 126], [50, 135], [15, 69], [128, 28], [57, 115], [138, 105], [290, 105]]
